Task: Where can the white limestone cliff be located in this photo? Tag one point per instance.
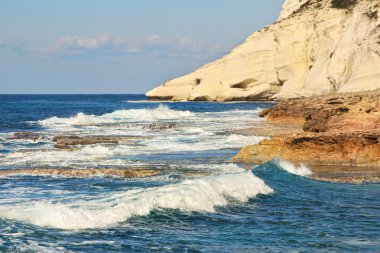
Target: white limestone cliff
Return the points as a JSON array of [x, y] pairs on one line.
[[315, 47]]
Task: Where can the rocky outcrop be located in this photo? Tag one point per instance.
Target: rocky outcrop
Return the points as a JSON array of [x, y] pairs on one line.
[[340, 129], [160, 126], [339, 112], [346, 174], [315, 47], [64, 142], [25, 136], [353, 148], [80, 173]]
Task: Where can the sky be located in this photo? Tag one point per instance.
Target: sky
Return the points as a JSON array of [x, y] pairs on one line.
[[118, 46]]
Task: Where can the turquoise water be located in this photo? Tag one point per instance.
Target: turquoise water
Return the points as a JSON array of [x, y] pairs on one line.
[[199, 202]]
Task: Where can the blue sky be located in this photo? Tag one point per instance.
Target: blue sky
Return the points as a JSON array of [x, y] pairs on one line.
[[118, 46]]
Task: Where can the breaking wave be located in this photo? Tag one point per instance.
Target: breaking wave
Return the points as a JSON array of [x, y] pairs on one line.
[[119, 116], [100, 155], [301, 170], [197, 195]]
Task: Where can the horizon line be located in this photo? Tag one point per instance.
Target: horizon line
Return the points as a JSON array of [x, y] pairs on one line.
[[72, 94]]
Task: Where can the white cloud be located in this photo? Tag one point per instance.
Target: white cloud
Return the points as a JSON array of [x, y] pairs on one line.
[[155, 39], [105, 44], [73, 45]]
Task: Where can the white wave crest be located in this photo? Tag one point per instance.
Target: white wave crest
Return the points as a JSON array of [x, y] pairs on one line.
[[152, 101], [223, 168], [103, 155], [202, 195], [170, 145], [62, 157], [161, 113], [301, 170]]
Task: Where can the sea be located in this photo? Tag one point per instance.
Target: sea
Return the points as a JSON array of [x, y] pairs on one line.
[[198, 201]]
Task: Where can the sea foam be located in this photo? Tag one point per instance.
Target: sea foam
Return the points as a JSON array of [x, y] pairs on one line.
[[197, 195], [103, 155], [301, 170], [119, 116]]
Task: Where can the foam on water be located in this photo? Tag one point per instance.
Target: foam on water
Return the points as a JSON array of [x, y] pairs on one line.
[[195, 144], [152, 101], [119, 116], [218, 168], [100, 154], [301, 170], [197, 195], [62, 157], [31, 246]]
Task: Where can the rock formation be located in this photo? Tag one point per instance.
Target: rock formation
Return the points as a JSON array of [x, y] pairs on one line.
[[315, 47], [80, 173], [25, 136], [354, 148], [340, 129], [67, 142]]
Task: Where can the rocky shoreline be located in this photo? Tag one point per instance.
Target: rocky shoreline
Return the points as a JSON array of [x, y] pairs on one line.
[[340, 140], [337, 136]]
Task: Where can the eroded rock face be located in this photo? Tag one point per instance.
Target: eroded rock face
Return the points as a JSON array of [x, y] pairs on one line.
[[335, 112], [355, 148], [315, 47], [339, 129]]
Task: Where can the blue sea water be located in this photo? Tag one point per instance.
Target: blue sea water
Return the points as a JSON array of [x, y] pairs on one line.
[[198, 202]]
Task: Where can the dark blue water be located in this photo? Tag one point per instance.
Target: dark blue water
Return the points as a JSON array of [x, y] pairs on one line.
[[17, 110], [103, 214]]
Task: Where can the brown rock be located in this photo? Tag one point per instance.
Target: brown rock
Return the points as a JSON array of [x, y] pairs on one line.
[[160, 126], [354, 148], [336, 112], [264, 112], [346, 174], [124, 173], [340, 129], [63, 142], [316, 121], [25, 136]]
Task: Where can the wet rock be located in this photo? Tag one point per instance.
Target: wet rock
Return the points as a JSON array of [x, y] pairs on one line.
[[346, 174], [264, 112], [82, 173], [63, 142], [160, 126], [25, 136], [269, 129]]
